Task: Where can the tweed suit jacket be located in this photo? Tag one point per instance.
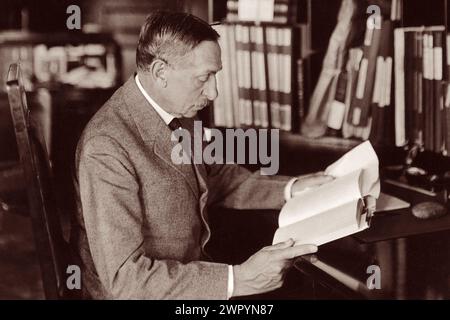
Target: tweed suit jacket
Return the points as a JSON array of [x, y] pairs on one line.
[[142, 223]]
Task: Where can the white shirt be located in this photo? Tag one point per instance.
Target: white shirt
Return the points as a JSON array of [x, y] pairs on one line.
[[167, 118]]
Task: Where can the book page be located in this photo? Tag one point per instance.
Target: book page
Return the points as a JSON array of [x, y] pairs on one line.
[[335, 209], [342, 190], [361, 157], [325, 227]]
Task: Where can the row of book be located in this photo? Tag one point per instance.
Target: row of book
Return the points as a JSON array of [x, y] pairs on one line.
[[395, 89], [261, 83], [278, 11], [84, 66], [362, 106], [421, 71]]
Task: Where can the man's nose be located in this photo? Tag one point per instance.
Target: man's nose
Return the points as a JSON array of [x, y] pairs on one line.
[[211, 89]]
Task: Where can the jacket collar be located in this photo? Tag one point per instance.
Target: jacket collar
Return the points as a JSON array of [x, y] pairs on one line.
[[157, 135]]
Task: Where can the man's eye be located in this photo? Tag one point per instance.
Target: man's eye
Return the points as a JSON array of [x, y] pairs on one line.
[[203, 78]]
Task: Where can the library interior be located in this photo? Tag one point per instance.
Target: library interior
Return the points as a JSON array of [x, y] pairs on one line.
[[329, 80]]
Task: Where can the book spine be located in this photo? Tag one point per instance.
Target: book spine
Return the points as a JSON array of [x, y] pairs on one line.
[[438, 56], [360, 111], [428, 110], [418, 89], [447, 118], [255, 77], [337, 108], [399, 52], [273, 76], [244, 75], [233, 74], [285, 76]]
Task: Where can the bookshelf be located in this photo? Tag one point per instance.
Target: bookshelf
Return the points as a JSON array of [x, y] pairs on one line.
[[303, 18], [320, 19]]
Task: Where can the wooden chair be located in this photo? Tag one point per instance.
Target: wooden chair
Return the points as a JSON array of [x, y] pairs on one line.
[[11, 175], [52, 249]]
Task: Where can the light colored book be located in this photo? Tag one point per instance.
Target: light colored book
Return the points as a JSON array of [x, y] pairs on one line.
[[338, 208]]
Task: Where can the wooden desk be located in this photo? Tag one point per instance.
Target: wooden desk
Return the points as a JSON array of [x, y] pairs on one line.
[[413, 257], [414, 261], [410, 268]]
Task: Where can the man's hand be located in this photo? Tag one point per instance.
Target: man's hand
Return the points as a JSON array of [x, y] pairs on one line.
[[264, 271], [310, 181]]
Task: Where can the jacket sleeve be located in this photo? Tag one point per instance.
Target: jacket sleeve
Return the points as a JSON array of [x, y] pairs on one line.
[[113, 218], [233, 186]]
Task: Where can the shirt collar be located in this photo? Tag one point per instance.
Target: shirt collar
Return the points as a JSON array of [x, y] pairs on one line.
[[167, 117]]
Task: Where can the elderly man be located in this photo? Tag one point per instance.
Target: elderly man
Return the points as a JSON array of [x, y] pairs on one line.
[[143, 224]]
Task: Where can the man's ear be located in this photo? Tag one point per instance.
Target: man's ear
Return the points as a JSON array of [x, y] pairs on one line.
[[158, 70]]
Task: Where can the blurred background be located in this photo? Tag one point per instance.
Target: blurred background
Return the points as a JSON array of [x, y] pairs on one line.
[[298, 81], [68, 75]]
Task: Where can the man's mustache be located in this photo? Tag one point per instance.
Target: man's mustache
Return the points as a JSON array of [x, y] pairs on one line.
[[202, 105]]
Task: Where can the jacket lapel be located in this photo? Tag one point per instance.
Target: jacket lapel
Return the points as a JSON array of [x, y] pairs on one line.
[[157, 136], [199, 167], [155, 133]]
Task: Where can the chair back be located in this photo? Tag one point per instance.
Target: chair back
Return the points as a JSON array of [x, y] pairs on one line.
[[52, 249]]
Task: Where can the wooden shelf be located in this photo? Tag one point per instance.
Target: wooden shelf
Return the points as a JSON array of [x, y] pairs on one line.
[[332, 143]]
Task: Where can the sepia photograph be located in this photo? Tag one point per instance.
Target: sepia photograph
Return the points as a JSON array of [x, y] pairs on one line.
[[227, 155]]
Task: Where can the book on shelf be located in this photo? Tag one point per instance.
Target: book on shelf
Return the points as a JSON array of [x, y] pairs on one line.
[[244, 74], [274, 75], [360, 105], [259, 76], [335, 60], [382, 106], [391, 87], [223, 116], [285, 58], [420, 68], [277, 11], [262, 82], [446, 119], [350, 201]]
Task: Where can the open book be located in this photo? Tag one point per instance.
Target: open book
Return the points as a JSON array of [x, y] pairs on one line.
[[338, 208]]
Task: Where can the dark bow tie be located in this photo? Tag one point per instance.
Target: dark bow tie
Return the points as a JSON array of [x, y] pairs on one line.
[[175, 124]]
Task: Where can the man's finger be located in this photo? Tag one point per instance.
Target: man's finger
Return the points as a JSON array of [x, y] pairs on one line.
[[281, 245], [311, 258], [316, 181], [292, 252], [322, 179]]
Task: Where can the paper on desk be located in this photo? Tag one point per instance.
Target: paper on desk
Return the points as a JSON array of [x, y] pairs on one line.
[[389, 203], [325, 227], [361, 157]]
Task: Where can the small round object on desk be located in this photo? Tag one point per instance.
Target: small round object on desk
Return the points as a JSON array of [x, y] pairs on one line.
[[429, 210]]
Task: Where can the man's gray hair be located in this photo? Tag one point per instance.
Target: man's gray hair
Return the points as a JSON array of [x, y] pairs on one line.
[[169, 36]]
